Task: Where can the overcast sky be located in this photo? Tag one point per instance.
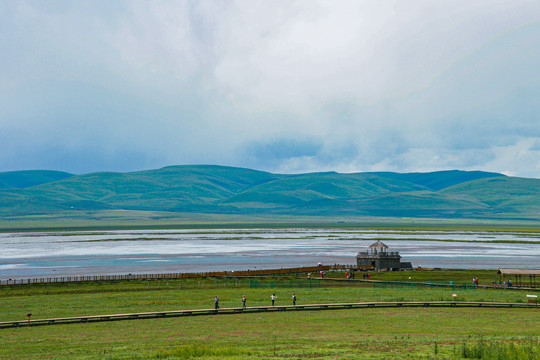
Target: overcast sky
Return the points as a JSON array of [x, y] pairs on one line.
[[283, 86]]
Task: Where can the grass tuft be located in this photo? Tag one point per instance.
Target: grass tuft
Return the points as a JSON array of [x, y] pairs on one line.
[[189, 351], [196, 351], [493, 350]]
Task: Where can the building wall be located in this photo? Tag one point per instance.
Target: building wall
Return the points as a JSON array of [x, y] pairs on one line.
[[379, 261]]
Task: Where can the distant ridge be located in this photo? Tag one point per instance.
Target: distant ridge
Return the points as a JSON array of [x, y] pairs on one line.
[[222, 190], [28, 178], [442, 179]]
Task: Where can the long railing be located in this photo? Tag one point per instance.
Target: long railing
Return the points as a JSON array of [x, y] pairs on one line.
[[263, 283], [89, 278], [453, 285]]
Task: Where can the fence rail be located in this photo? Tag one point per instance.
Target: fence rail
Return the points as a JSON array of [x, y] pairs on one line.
[[90, 278], [464, 286], [258, 309]]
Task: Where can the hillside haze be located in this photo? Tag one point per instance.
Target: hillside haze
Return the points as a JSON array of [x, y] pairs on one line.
[[219, 189]]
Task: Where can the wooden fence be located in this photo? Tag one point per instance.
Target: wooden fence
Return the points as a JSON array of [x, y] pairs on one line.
[[65, 279]]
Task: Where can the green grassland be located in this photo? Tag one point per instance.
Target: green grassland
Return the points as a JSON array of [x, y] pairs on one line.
[[47, 301], [410, 333], [353, 334], [139, 219]]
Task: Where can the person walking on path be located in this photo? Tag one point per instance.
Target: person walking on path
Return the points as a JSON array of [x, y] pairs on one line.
[[244, 301], [294, 299], [216, 302], [273, 297]]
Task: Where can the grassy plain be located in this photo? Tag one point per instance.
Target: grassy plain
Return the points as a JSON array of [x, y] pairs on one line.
[[138, 219], [410, 333], [98, 301], [352, 334]]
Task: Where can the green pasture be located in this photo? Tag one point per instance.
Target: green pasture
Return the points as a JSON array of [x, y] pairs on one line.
[[347, 334], [79, 304], [95, 298], [144, 219], [391, 333], [485, 277], [458, 277]]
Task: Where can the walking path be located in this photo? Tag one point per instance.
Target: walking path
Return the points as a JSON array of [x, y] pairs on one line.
[[258, 309]]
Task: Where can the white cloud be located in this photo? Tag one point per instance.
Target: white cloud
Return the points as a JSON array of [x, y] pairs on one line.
[[385, 85], [519, 159]]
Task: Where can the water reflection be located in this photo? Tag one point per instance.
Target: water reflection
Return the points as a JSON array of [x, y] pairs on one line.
[[144, 251]]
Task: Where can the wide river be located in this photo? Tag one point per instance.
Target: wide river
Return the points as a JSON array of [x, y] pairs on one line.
[[54, 254]]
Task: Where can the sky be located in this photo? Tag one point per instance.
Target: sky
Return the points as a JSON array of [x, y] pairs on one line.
[[283, 86]]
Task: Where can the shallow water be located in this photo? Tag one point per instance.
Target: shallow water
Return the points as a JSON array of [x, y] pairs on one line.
[[50, 254]]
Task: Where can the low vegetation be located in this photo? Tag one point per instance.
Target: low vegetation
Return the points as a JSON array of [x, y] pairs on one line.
[[410, 333], [514, 349]]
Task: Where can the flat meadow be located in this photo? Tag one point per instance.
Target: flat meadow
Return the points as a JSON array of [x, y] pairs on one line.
[[375, 333]]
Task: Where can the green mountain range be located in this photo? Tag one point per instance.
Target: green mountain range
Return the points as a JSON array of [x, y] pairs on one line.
[[223, 190]]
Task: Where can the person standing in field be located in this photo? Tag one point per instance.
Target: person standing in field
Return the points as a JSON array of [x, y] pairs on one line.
[[294, 299], [216, 303], [244, 301], [273, 298]]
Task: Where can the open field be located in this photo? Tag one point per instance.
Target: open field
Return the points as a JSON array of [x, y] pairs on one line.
[[96, 303], [366, 334], [458, 277], [90, 298], [138, 219], [334, 334]]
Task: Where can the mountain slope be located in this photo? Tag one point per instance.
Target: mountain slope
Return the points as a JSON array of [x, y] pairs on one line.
[[28, 178], [510, 194], [298, 189], [218, 189], [440, 179], [169, 188]]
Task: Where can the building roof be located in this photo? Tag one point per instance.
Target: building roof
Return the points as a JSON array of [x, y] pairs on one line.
[[519, 272], [378, 245]]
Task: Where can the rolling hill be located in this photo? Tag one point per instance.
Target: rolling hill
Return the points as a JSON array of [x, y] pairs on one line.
[[29, 178], [219, 189]]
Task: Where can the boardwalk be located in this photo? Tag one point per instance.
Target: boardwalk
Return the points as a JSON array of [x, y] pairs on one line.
[[259, 309]]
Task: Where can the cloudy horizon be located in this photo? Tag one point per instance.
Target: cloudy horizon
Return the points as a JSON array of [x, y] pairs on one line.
[[280, 86]]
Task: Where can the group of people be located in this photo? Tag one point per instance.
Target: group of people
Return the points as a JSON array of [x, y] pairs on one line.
[[505, 283], [349, 275], [273, 298], [499, 283]]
